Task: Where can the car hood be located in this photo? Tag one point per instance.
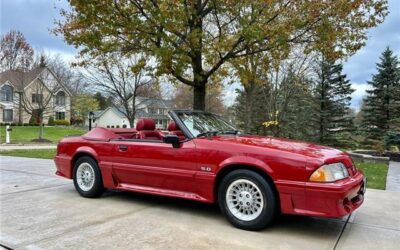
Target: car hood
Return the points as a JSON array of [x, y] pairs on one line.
[[297, 147]]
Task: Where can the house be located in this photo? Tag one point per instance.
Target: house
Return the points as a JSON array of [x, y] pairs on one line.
[[20, 91], [156, 109], [111, 117]]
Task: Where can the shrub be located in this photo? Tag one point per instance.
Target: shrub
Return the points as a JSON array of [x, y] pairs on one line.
[[51, 121], [77, 121], [26, 124], [392, 138], [377, 145], [61, 123]]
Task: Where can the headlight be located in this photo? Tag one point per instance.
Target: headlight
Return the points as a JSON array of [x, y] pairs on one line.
[[330, 173]]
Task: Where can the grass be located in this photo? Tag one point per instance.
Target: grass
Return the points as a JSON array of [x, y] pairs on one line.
[[375, 172], [31, 153], [24, 135]]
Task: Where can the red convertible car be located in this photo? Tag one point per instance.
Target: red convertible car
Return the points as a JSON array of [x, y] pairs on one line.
[[202, 157]]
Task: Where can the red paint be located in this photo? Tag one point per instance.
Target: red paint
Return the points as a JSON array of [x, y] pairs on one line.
[[192, 170]]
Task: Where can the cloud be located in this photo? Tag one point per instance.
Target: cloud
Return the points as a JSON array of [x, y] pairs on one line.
[[35, 18], [358, 95], [361, 66]]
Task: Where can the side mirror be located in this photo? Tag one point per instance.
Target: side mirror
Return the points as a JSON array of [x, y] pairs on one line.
[[172, 139]]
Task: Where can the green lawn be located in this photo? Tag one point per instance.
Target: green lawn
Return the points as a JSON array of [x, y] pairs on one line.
[[24, 135], [376, 174], [31, 153]]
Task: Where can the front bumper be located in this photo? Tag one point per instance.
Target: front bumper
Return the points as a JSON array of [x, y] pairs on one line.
[[335, 199]]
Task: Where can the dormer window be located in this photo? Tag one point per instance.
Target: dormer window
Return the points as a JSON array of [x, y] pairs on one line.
[[6, 93], [60, 98]]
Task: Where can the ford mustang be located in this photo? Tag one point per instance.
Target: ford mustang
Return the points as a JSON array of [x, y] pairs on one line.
[[202, 157]]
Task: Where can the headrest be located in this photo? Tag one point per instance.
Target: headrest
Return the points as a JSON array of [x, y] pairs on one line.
[[172, 126], [145, 124]]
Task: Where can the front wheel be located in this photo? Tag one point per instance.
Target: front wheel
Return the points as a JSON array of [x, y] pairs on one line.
[[87, 177], [247, 200]]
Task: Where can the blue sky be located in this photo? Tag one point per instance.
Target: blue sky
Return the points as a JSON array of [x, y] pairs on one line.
[[36, 17]]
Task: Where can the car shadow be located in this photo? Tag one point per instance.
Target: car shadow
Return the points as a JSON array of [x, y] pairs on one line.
[[295, 224]]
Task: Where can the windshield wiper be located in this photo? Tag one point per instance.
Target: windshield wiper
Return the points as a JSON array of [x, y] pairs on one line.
[[207, 133], [230, 132]]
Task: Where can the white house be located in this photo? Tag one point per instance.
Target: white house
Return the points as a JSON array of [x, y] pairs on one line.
[[111, 117], [156, 109]]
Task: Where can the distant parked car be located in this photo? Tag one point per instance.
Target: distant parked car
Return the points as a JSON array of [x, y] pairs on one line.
[[203, 158]]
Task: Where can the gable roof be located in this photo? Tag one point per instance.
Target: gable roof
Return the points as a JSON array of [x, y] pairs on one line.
[[117, 111], [154, 102], [20, 79]]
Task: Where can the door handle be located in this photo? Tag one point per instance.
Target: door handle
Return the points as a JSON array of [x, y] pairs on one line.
[[123, 148]]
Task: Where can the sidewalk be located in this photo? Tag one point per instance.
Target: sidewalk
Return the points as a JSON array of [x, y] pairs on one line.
[[393, 177], [5, 147]]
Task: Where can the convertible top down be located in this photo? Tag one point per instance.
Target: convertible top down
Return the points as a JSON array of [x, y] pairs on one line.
[[202, 157]]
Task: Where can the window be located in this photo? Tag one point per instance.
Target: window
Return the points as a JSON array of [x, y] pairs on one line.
[[8, 115], [6, 93], [152, 111], [161, 111], [37, 98], [60, 115], [60, 98]]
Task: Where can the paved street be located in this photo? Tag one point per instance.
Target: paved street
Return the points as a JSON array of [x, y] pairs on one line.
[[42, 211]]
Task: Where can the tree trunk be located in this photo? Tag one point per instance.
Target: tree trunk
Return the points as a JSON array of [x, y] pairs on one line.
[[41, 131], [199, 96], [20, 108], [132, 118], [249, 109]]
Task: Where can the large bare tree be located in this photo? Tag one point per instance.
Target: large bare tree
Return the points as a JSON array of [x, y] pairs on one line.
[[72, 78], [15, 52], [123, 79]]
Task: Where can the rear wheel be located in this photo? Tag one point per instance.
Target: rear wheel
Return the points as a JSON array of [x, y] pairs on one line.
[[247, 200], [87, 177]]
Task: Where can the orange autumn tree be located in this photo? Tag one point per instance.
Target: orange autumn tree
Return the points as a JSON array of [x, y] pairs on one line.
[[191, 40]]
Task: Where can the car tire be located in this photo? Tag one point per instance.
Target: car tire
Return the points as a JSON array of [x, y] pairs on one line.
[[247, 200], [87, 177]]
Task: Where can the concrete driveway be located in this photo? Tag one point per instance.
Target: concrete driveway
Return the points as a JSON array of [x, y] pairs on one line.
[[40, 210]]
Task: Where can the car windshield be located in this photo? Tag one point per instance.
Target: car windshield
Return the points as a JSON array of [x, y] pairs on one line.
[[205, 124]]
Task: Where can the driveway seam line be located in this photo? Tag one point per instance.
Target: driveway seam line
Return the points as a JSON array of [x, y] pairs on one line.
[[6, 247], [26, 172], [341, 232], [371, 226], [35, 189]]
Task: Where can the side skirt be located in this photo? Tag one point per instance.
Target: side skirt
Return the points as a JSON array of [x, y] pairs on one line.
[[161, 192]]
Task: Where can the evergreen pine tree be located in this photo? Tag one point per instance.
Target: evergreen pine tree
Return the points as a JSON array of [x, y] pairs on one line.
[[382, 104], [250, 108], [333, 95]]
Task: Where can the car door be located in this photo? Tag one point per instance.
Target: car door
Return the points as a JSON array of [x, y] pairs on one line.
[[154, 164]]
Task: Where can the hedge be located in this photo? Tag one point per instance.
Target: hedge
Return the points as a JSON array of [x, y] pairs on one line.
[[61, 123]]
